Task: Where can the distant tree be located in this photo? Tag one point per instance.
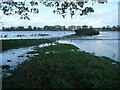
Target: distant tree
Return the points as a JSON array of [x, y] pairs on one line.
[[29, 28], [34, 28], [64, 28], [103, 28], [78, 27], [12, 28], [114, 28], [84, 27], [91, 27], [108, 28], [3, 28], [20, 28], [40, 29], [46, 28]]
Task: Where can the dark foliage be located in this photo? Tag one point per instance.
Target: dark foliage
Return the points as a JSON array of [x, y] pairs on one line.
[[23, 8], [86, 32]]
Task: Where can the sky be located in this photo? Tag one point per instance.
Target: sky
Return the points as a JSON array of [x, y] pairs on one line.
[[104, 14]]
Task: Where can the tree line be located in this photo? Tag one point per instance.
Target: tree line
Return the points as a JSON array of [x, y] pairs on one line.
[[61, 28], [113, 28], [30, 28]]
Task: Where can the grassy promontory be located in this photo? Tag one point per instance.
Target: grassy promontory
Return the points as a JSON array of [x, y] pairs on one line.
[[83, 32], [86, 32], [64, 66]]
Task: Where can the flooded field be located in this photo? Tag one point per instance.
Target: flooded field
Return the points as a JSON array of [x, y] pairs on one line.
[[105, 44]]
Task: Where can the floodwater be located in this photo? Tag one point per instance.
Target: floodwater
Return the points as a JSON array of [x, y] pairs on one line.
[[104, 44], [33, 34], [13, 57]]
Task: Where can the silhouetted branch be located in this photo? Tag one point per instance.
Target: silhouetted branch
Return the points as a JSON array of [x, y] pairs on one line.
[[23, 8]]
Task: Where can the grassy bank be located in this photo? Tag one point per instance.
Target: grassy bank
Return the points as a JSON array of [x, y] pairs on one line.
[[10, 44], [64, 66]]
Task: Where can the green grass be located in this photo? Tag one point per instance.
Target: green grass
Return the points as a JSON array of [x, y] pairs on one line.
[[64, 67], [10, 44], [87, 32]]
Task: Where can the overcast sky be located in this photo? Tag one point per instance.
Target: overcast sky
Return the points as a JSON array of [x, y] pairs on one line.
[[104, 14]]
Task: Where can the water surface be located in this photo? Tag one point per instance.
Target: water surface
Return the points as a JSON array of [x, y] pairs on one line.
[[105, 44], [33, 34]]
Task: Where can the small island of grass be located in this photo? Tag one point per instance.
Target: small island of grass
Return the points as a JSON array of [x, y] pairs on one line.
[[87, 32]]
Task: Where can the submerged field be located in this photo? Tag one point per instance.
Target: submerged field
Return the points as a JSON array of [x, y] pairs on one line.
[[64, 66], [11, 44]]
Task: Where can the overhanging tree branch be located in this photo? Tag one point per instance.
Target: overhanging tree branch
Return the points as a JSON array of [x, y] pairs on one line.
[[23, 8]]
